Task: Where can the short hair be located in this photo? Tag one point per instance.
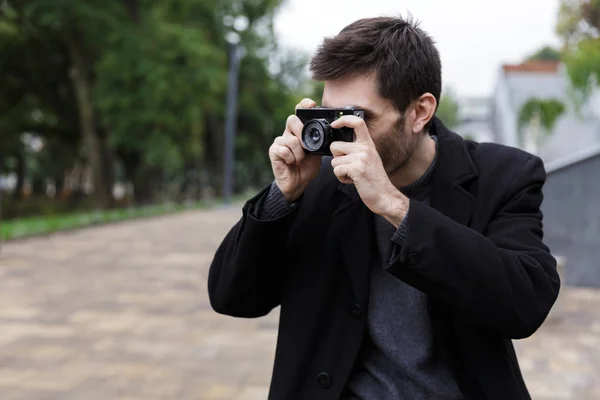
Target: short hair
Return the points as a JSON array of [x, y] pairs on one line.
[[406, 62]]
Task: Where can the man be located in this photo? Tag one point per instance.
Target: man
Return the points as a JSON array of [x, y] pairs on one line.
[[404, 264]]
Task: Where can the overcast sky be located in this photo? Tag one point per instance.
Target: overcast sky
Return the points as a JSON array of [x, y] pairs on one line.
[[474, 37]]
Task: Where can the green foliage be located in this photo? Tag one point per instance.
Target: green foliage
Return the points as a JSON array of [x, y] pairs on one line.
[[25, 227], [153, 82], [578, 20], [579, 26], [583, 65], [447, 110], [546, 53], [542, 112], [156, 74], [57, 220]]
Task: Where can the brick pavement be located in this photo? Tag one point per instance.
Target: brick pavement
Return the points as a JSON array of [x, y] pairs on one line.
[[121, 312]]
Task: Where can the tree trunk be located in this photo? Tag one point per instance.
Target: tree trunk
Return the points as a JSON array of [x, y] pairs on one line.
[[94, 143], [214, 147], [21, 169], [38, 185], [59, 184], [145, 186], [198, 183], [107, 160]]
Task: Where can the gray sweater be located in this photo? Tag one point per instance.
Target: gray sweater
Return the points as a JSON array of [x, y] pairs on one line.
[[398, 359]]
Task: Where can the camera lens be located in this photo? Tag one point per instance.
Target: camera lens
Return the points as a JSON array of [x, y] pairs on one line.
[[314, 134]]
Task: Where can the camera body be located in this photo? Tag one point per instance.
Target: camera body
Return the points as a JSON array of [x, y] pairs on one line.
[[317, 133]]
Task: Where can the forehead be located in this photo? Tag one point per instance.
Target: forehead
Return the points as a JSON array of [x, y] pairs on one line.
[[357, 90]]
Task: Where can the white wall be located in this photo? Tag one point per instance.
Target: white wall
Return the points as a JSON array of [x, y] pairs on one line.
[[505, 119]]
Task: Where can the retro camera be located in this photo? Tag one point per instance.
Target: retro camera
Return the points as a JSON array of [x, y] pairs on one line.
[[317, 133]]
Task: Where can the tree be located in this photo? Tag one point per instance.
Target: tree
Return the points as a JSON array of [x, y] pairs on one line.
[[536, 121], [546, 53], [137, 89], [578, 20], [579, 26], [447, 110], [157, 81], [36, 97], [70, 36]]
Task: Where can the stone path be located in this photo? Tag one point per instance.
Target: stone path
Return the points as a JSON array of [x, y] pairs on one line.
[[121, 312]]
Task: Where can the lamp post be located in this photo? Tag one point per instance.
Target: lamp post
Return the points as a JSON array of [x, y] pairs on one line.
[[230, 123]]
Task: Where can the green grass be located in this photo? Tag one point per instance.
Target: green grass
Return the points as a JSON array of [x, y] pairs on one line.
[[24, 227]]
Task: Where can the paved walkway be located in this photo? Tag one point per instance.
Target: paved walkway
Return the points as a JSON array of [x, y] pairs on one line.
[[121, 312]]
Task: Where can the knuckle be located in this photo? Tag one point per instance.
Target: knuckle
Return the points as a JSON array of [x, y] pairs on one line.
[[291, 140], [361, 166], [288, 133]]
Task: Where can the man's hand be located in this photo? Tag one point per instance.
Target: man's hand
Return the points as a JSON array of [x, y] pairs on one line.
[[359, 163], [292, 168]]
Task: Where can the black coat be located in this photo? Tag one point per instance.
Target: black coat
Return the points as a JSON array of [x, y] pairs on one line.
[[477, 252]]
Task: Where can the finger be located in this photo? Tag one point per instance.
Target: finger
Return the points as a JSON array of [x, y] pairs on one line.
[[294, 126], [336, 161], [342, 173], [356, 123], [279, 152], [306, 103], [339, 149], [293, 143]]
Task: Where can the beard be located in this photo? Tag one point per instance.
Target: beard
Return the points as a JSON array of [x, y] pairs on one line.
[[396, 147]]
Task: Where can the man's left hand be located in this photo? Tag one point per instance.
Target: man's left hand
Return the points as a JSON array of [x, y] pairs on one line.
[[359, 163]]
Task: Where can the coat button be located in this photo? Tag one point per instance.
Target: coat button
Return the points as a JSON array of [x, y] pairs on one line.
[[413, 259], [356, 311], [324, 380]]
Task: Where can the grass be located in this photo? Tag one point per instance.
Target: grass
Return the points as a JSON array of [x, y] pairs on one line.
[[32, 226]]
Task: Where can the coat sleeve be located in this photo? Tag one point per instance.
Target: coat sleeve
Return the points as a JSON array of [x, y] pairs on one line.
[[505, 279], [248, 271]]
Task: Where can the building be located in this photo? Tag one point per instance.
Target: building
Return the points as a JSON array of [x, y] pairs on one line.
[[575, 130], [571, 210], [571, 154], [474, 114]]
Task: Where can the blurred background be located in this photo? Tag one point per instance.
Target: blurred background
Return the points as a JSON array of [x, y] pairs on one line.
[[148, 123]]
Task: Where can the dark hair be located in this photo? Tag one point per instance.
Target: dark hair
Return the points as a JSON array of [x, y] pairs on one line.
[[402, 55]]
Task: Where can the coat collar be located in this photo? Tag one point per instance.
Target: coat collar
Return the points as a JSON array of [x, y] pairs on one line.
[[352, 220], [454, 171]]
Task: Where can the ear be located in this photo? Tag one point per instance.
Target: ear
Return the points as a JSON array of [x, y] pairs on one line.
[[424, 108]]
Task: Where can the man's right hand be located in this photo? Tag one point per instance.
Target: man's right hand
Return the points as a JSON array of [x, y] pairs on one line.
[[293, 169]]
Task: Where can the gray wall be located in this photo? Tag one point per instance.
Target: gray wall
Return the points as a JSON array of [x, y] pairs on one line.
[[571, 210]]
